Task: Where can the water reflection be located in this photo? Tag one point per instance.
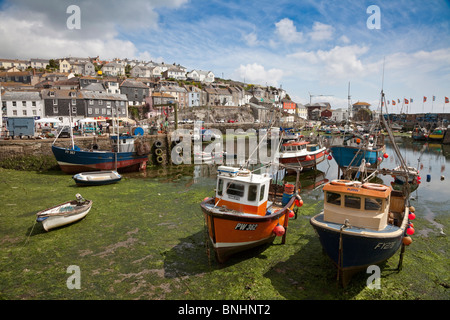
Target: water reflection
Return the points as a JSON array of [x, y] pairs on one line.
[[430, 158]]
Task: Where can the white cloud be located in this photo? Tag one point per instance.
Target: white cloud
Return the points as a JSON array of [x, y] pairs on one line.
[[251, 39], [287, 32], [39, 28], [321, 31], [256, 73], [336, 64]]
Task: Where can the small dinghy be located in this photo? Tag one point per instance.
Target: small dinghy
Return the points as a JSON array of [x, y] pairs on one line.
[[65, 213], [96, 178]]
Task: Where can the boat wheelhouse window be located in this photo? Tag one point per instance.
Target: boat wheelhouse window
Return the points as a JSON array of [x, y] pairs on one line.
[[220, 187], [334, 198], [235, 189], [352, 202], [373, 204], [252, 192], [261, 195]]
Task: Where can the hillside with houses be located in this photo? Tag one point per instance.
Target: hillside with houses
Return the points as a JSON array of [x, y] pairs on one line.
[[76, 88]]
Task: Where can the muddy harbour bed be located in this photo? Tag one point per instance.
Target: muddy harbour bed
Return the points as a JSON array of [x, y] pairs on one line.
[[145, 239]]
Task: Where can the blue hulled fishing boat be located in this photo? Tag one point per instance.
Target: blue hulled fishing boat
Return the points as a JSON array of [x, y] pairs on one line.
[[127, 153]]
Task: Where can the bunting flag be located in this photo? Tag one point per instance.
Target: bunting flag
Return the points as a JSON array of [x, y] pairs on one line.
[[446, 99], [410, 99], [388, 101], [393, 102], [398, 100], [434, 98], [406, 101], [424, 99]]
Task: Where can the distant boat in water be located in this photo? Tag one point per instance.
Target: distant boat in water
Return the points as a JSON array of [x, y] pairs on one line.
[[419, 133], [437, 134]]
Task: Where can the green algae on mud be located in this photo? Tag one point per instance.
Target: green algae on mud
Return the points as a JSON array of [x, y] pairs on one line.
[[145, 239]]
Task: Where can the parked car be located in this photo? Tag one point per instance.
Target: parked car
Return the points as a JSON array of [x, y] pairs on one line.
[[65, 132]]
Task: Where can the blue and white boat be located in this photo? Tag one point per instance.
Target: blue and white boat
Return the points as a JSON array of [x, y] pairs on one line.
[[127, 153], [360, 225], [96, 178], [352, 156]]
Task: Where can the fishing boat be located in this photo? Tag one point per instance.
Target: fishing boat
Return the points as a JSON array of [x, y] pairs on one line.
[[127, 153], [419, 133], [362, 224], [246, 211], [401, 178], [437, 134], [65, 213], [353, 154], [301, 153], [96, 178]]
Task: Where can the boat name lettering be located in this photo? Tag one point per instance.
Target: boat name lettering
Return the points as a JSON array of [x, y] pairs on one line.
[[69, 151], [246, 226], [232, 196], [353, 189], [385, 245]]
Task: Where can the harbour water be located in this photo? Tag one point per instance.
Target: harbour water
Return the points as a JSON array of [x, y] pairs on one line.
[[145, 239]]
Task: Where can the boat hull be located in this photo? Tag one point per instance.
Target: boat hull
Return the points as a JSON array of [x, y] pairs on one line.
[[51, 219], [96, 178], [74, 161], [302, 161], [360, 247], [233, 233], [348, 155]]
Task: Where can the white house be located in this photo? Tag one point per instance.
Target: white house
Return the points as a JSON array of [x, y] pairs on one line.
[[174, 72], [339, 115], [22, 104], [302, 111], [113, 69], [202, 76], [141, 72]]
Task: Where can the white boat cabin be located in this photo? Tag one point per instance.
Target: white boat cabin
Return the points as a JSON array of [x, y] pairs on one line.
[[126, 143], [240, 190], [363, 206]]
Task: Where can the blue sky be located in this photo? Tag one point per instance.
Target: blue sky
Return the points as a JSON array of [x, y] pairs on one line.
[[304, 46]]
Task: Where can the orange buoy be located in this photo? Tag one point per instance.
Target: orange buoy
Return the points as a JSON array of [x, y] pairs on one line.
[[279, 230], [410, 231], [291, 214], [407, 240], [411, 216]]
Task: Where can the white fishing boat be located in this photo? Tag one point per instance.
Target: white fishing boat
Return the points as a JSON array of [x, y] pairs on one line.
[[65, 213]]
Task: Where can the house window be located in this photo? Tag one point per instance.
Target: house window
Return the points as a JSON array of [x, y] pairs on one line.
[[14, 103], [24, 103], [55, 110], [89, 110], [55, 102], [34, 112], [103, 110], [91, 102], [97, 110], [100, 102], [74, 110], [74, 102], [33, 103], [24, 112], [14, 112]]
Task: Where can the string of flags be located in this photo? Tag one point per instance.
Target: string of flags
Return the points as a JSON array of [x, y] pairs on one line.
[[411, 100]]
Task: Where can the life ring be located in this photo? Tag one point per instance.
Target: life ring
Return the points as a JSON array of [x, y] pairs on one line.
[[158, 144], [375, 186], [159, 159], [158, 152], [342, 182]]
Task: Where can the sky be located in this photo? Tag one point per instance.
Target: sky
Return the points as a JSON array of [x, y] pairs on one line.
[[314, 49]]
